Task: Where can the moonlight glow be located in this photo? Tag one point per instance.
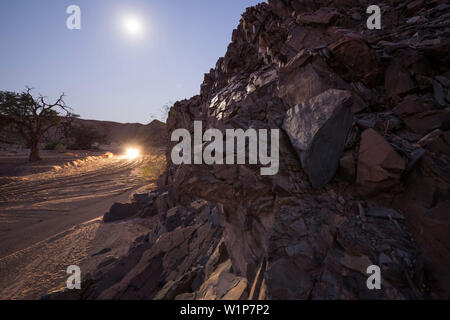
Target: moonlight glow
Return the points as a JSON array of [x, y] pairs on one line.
[[133, 26]]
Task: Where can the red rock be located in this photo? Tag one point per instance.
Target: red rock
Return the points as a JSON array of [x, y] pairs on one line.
[[438, 146], [427, 121], [397, 80], [447, 137], [441, 212], [348, 165], [440, 53], [361, 60], [414, 7], [379, 166], [431, 230], [304, 5], [321, 16], [411, 105]]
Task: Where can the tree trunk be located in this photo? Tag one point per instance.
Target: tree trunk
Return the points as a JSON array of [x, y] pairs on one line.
[[34, 153]]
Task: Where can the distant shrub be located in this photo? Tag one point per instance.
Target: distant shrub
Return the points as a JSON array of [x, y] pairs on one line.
[[55, 146], [51, 145], [60, 147]]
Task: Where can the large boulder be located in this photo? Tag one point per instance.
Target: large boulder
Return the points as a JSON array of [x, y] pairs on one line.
[[318, 130], [379, 165]]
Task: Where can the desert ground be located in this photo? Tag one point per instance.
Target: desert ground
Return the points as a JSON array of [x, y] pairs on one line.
[[50, 216]]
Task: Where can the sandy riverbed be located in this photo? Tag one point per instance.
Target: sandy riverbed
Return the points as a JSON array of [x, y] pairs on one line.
[[50, 218]]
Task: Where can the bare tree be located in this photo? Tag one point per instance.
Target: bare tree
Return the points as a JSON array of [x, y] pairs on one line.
[[152, 117], [164, 112], [32, 116]]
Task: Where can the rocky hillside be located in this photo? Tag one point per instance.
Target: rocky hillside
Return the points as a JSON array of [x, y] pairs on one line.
[[364, 165]]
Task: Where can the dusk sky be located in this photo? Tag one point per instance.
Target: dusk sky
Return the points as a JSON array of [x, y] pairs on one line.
[[107, 71]]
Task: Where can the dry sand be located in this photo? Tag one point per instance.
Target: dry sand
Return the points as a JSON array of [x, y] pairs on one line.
[[50, 218]]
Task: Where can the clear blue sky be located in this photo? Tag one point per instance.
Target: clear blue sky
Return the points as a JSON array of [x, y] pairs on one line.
[[105, 73]]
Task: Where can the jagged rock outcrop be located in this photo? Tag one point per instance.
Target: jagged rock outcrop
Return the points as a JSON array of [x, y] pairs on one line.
[[311, 231]]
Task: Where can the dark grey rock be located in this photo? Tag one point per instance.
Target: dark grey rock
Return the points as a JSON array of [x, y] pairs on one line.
[[386, 213], [414, 158], [174, 217], [103, 251], [161, 203], [120, 211], [149, 211], [109, 260], [384, 259], [318, 129], [144, 199], [440, 94]]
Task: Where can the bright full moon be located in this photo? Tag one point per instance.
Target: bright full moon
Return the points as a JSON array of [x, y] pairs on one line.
[[133, 26]]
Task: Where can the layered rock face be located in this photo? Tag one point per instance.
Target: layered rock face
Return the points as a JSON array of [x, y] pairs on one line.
[[364, 164]]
